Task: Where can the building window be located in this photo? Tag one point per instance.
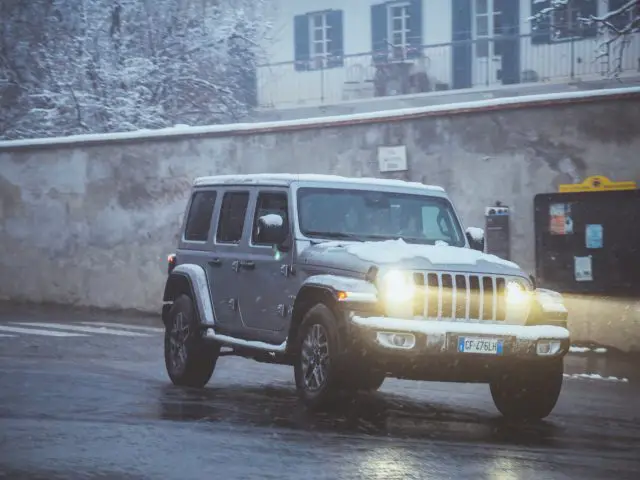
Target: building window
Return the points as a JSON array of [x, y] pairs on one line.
[[563, 23], [318, 40], [488, 26], [396, 30], [320, 29], [399, 24]]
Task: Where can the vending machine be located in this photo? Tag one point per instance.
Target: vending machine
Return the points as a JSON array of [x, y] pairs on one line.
[[587, 238], [497, 240]]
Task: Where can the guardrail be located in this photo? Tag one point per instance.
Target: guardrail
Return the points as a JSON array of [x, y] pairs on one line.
[[447, 66]]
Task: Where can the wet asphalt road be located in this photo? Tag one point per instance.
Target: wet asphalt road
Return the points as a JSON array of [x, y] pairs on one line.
[[101, 406]]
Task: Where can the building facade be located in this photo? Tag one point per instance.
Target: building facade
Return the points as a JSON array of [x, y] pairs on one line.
[[332, 51]]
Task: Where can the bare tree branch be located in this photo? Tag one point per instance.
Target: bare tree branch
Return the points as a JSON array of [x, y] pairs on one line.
[[615, 27]]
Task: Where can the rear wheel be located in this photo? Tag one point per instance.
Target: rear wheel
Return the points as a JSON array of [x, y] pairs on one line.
[[529, 394], [317, 366], [189, 359]]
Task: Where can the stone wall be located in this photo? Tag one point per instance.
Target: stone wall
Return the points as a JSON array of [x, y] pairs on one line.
[[90, 221]]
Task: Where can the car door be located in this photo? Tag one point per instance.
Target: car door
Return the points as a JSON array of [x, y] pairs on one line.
[[266, 288], [223, 264], [196, 244]]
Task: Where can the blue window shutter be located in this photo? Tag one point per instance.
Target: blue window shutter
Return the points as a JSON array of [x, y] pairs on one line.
[[588, 8], [336, 38], [462, 51], [541, 28], [415, 33], [509, 41], [379, 44], [301, 41]]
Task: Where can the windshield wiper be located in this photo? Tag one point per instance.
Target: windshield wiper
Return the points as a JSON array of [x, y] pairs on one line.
[[336, 235]]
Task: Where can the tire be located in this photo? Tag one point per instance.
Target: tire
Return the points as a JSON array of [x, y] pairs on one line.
[[318, 390], [368, 380], [374, 381], [530, 394], [193, 367]]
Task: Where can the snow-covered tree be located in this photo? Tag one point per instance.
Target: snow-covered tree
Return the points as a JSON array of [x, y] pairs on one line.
[[88, 66], [617, 27]]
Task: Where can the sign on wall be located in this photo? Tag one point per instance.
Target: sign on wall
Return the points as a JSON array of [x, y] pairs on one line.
[[392, 159], [596, 183]]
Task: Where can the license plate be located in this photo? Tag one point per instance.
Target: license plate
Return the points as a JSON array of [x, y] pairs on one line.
[[488, 346]]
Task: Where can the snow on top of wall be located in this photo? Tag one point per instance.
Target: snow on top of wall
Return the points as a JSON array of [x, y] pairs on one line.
[[286, 178], [369, 117], [596, 376], [395, 251]]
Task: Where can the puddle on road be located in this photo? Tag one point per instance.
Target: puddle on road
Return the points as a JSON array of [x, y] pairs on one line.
[[374, 414]]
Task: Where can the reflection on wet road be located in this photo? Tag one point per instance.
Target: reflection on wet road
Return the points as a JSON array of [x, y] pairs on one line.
[[102, 407]]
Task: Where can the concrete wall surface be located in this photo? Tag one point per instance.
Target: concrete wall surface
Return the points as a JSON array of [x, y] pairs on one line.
[[90, 222]]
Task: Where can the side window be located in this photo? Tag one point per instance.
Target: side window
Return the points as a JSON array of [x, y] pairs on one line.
[[232, 214], [199, 218], [269, 203]]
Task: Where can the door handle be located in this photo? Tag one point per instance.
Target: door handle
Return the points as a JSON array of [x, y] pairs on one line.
[[215, 262], [248, 264]]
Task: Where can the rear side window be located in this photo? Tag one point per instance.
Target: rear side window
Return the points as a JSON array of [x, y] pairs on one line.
[[199, 218], [232, 215]]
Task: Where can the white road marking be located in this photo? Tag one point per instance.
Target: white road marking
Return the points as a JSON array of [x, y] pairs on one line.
[[5, 335], [35, 331], [124, 325], [79, 328]]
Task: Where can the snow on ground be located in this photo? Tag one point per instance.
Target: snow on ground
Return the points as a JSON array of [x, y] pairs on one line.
[[575, 349], [595, 376], [369, 117]]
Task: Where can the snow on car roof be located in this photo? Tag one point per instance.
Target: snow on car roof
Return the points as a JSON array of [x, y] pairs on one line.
[[288, 178]]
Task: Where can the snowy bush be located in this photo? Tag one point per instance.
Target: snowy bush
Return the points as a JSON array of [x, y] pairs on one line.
[[92, 66]]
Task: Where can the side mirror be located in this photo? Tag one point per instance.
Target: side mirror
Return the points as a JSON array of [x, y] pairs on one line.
[[475, 236], [273, 230]]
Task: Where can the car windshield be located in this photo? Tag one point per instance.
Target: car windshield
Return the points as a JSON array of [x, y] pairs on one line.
[[373, 215]]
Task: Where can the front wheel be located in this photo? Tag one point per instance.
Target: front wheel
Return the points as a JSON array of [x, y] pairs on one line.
[[189, 359], [529, 394], [317, 366]]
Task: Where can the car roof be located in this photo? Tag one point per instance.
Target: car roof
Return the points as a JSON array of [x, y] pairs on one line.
[[286, 179]]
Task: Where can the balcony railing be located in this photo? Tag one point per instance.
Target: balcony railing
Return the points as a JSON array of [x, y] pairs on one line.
[[482, 63]]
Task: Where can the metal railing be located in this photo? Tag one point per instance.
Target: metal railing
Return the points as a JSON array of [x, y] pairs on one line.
[[446, 66]]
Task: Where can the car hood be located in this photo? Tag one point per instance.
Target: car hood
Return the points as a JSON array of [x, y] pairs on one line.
[[360, 256]]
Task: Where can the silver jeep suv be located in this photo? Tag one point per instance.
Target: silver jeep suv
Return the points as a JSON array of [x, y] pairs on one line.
[[352, 280]]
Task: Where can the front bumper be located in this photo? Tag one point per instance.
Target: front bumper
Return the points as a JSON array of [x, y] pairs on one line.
[[434, 350]]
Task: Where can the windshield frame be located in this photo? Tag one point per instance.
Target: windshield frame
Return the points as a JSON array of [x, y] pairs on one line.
[[456, 224]]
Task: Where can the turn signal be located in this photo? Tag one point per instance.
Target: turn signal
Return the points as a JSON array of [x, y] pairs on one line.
[[171, 262]]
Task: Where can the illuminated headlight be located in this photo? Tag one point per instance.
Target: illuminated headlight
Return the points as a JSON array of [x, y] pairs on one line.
[[397, 287], [397, 290], [516, 293]]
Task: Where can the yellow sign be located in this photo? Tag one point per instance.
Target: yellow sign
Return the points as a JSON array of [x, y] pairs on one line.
[[597, 183]]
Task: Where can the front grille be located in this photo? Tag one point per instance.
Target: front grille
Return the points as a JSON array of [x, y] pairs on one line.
[[445, 296]]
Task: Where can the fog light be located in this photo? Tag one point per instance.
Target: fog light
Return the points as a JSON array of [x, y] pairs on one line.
[[403, 341], [548, 347]]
